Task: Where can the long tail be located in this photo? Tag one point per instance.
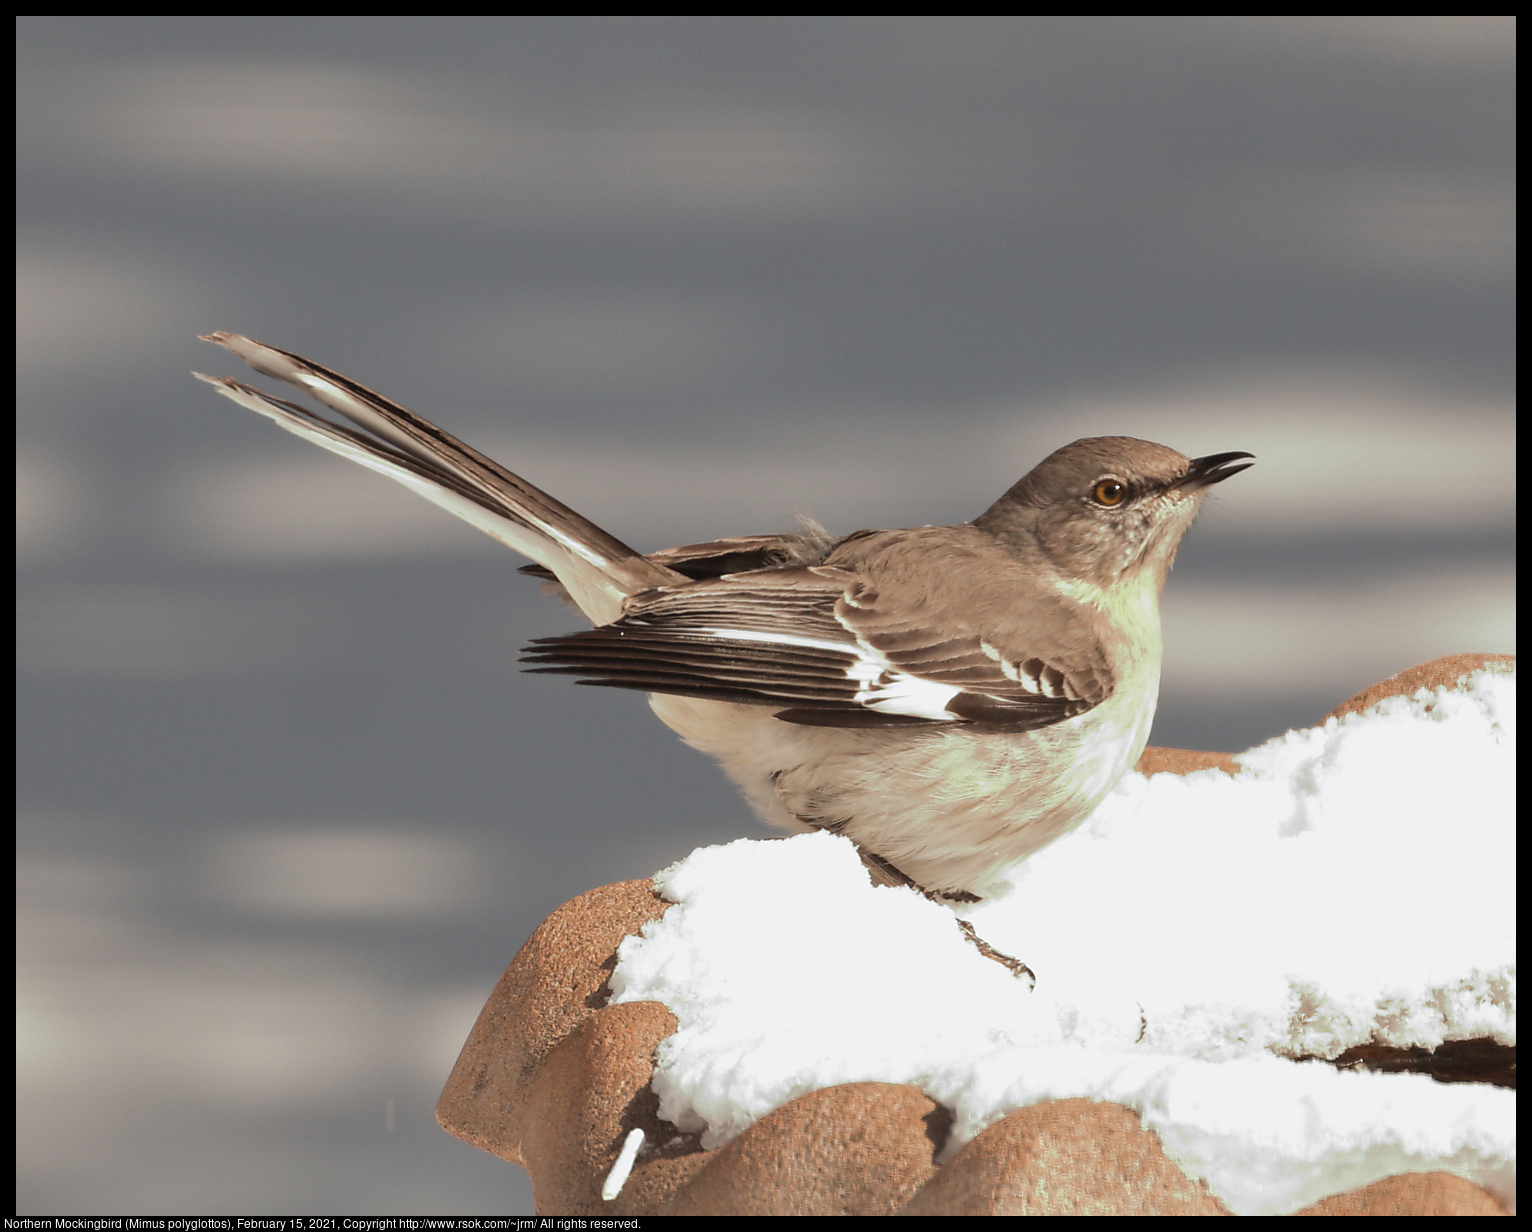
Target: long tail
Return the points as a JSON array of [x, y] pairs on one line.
[[597, 570]]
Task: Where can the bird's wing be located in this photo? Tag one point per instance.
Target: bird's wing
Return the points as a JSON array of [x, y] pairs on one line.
[[827, 649], [599, 570], [739, 554]]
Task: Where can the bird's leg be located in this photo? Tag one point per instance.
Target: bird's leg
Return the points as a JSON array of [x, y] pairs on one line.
[[1014, 965], [887, 874]]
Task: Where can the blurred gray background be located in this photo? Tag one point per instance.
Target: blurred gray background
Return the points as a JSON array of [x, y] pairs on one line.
[[287, 808]]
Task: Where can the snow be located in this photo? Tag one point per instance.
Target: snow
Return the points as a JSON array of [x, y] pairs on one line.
[[1354, 883]]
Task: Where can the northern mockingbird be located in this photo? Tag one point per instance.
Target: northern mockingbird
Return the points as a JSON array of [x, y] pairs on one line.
[[950, 698]]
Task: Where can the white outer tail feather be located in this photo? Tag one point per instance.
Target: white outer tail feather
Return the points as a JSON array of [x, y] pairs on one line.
[[598, 571]]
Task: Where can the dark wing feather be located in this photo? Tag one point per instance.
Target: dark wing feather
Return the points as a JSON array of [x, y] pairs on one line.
[[815, 642], [739, 554]]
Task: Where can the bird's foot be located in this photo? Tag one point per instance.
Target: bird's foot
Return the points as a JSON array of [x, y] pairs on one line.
[[1014, 965], [886, 873]]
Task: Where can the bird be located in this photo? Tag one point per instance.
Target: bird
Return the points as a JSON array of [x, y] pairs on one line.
[[951, 699]]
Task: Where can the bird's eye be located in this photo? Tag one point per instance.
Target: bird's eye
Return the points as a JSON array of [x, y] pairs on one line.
[[1109, 492]]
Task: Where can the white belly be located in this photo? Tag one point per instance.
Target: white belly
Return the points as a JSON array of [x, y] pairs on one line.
[[948, 806]]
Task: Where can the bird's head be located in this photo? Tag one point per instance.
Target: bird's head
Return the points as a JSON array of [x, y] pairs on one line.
[[1108, 510]]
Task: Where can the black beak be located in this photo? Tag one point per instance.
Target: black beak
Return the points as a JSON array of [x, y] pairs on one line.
[[1205, 472]]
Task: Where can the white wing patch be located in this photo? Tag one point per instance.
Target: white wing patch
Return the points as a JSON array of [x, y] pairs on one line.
[[879, 684], [886, 689], [890, 690], [1033, 675], [1006, 666]]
